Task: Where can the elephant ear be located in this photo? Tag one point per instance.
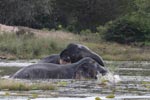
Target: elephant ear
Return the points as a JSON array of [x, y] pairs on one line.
[[79, 72], [82, 72]]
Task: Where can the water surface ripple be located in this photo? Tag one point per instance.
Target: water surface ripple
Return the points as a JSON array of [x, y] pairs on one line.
[[134, 84]]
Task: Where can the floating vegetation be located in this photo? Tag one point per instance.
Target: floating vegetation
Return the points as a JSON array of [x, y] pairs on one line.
[[17, 85], [34, 96], [7, 93], [105, 87], [62, 83], [98, 98], [144, 82], [110, 96]]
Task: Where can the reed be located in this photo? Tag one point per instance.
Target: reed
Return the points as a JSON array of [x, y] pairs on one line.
[[16, 85], [41, 44]]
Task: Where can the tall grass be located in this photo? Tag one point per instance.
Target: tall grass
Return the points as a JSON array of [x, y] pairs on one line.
[[28, 47], [115, 51], [42, 44]]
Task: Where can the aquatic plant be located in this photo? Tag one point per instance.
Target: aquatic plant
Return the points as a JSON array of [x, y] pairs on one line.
[[7, 93], [62, 83], [17, 85], [98, 98], [34, 96], [110, 96]]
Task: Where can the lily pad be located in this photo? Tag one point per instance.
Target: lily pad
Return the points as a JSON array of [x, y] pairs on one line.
[[98, 98], [110, 96]]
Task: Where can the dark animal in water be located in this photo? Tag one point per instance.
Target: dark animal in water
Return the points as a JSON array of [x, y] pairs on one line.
[[85, 68], [54, 58], [76, 52]]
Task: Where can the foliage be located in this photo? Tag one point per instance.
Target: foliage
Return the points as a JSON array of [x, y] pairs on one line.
[[98, 98], [31, 13], [24, 86], [134, 27], [82, 16], [110, 96], [129, 29], [85, 32], [14, 47], [74, 15], [142, 6], [27, 47], [62, 83], [77, 15]]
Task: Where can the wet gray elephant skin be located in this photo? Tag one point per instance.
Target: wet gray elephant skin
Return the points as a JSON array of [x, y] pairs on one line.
[[54, 58], [77, 51], [83, 69]]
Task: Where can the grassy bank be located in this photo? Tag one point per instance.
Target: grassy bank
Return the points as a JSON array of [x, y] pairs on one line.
[[43, 43], [25, 46]]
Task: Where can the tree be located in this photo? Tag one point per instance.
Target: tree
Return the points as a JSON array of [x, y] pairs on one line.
[[31, 13], [74, 15], [87, 14]]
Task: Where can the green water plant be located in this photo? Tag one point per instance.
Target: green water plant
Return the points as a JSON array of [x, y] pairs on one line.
[[98, 98], [7, 93], [17, 85], [145, 82], [34, 96], [110, 96], [62, 83]]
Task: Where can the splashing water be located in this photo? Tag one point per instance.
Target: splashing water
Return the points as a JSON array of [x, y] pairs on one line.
[[5, 77], [108, 79]]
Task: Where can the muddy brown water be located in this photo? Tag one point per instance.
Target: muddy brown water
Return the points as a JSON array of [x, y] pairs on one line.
[[134, 84]]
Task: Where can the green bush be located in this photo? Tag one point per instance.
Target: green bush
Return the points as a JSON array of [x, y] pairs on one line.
[[85, 32], [128, 29]]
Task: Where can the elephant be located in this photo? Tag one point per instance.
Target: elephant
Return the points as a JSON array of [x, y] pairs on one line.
[[77, 51], [86, 68], [54, 58]]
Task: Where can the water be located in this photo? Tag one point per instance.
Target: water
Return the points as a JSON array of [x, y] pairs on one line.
[[134, 84], [87, 98]]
